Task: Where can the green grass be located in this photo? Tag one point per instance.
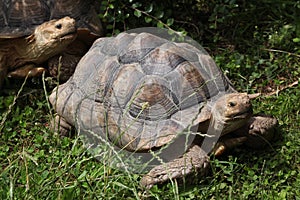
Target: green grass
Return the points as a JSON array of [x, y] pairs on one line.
[[258, 47], [38, 164]]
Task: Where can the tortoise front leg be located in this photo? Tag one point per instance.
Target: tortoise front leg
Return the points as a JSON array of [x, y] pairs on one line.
[[256, 134], [31, 70], [60, 125], [261, 130], [194, 161]]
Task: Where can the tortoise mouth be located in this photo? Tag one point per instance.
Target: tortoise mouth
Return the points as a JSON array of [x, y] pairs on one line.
[[68, 35], [242, 115]]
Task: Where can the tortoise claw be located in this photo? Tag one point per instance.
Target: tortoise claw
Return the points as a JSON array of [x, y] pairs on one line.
[[195, 160], [226, 144]]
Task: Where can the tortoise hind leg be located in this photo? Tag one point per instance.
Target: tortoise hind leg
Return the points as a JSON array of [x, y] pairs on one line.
[[61, 126], [194, 161]]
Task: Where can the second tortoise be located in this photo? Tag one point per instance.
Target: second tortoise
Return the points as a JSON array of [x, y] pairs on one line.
[[21, 31]]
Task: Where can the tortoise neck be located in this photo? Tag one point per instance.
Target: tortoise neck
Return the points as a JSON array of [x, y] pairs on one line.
[[217, 126], [24, 51]]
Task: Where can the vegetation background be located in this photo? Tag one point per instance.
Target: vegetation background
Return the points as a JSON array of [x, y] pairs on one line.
[[257, 45]]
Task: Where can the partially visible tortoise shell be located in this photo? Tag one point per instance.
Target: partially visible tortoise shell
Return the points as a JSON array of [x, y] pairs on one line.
[[139, 90], [19, 17]]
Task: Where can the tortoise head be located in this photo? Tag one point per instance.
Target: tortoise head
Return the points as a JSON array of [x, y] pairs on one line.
[[231, 112], [54, 35]]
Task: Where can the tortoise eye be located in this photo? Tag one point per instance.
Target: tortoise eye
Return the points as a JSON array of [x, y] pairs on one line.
[[231, 104], [58, 26]]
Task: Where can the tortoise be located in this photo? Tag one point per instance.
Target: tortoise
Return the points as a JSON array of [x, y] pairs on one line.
[[141, 92], [47, 40], [20, 26]]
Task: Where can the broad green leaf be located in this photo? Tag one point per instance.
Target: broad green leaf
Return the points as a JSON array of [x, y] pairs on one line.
[[148, 19], [137, 13], [111, 6], [170, 21], [296, 40], [160, 24]]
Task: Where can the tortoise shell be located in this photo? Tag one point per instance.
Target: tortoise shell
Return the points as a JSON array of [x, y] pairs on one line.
[[139, 90], [19, 17]]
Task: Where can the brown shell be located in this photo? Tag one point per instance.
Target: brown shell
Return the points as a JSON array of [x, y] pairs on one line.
[[139, 90], [19, 17]]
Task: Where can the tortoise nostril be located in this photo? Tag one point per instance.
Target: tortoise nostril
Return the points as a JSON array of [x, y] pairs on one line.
[[58, 26]]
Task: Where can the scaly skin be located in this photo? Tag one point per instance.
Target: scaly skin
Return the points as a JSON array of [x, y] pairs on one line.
[[48, 39], [194, 161], [255, 132], [229, 113]]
